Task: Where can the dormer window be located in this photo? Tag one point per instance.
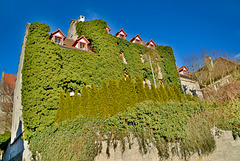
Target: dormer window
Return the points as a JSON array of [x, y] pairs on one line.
[[81, 43], [121, 34], [108, 29], [136, 39], [150, 44], [82, 46], [57, 40], [58, 37]]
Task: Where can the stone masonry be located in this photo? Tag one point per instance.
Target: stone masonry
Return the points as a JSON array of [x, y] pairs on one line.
[[227, 149]]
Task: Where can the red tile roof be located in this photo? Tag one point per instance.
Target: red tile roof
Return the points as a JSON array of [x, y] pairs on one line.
[[181, 68], [185, 73], [10, 79], [58, 30], [109, 29], [150, 41], [121, 31], [68, 42]]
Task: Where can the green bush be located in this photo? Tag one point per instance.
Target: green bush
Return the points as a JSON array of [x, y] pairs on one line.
[[149, 122], [225, 116], [4, 140]]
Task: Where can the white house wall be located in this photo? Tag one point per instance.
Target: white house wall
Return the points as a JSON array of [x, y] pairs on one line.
[[59, 35], [83, 41], [121, 33], [193, 85]]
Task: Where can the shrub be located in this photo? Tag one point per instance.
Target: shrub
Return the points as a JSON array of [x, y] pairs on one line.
[[4, 140]]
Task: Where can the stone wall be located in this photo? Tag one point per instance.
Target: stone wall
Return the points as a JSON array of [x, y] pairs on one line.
[[72, 32], [227, 149]]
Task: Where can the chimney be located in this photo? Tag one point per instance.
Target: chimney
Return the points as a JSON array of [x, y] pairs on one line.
[[81, 18]]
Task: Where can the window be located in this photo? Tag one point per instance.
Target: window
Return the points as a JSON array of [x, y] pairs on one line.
[[82, 46], [121, 36], [228, 80], [137, 41], [57, 40], [216, 86]]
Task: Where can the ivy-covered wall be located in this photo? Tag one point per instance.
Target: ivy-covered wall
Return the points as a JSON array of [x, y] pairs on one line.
[[49, 69]]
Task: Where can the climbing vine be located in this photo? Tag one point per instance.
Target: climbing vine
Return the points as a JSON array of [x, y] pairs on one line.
[[49, 69]]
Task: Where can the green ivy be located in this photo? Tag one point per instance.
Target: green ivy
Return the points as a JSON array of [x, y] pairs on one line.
[[49, 69]]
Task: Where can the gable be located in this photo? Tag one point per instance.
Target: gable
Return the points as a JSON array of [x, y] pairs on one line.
[[83, 41], [121, 33], [58, 34]]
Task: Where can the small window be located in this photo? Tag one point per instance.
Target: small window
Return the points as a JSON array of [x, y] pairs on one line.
[[137, 41], [57, 40], [82, 46], [216, 86], [228, 80], [121, 36]]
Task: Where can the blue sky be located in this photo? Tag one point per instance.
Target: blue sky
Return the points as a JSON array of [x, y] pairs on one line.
[[188, 26]]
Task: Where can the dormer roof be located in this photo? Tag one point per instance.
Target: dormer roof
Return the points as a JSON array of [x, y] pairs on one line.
[[108, 29], [182, 68], [150, 42], [55, 32], [136, 37], [81, 39], [183, 71], [121, 31]]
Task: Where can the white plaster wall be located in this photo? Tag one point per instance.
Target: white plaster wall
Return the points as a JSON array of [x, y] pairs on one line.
[[181, 73], [121, 33], [77, 46], [192, 84], [83, 41], [223, 80], [59, 35]]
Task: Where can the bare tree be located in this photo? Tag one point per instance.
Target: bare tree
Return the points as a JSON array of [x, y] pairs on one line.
[[203, 63], [194, 62], [212, 72], [6, 106]]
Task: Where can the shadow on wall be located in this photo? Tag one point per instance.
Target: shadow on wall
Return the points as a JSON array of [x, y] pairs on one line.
[[14, 151]]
